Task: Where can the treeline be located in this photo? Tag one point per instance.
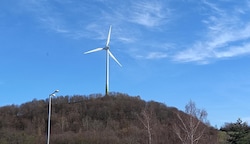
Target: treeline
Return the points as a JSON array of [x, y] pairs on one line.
[[236, 133], [97, 119]]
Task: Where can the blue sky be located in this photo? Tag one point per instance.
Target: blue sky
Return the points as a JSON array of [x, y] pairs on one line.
[[172, 51]]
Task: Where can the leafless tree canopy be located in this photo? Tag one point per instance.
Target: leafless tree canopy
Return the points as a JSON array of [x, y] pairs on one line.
[[191, 128], [97, 119]]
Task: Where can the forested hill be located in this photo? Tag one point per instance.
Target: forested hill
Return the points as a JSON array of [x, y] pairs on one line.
[[97, 119]]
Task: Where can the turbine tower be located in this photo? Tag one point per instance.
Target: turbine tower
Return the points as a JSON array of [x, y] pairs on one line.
[[108, 53]]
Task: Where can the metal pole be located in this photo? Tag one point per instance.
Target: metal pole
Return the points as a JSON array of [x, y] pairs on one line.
[[49, 119], [50, 96]]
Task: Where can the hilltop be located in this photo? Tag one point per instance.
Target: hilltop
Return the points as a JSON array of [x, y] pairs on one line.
[[97, 119]]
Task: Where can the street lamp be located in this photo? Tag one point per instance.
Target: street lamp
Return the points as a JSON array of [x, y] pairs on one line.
[[51, 95]]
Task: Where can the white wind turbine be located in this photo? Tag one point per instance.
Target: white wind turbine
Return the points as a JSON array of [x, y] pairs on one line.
[[108, 53]]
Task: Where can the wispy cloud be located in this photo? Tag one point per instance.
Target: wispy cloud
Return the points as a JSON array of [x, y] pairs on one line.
[[156, 55], [91, 19], [148, 13], [131, 20], [227, 35], [54, 24], [55, 16], [44, 13], [234, 51]]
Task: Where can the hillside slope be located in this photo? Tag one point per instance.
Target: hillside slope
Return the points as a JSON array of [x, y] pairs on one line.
[[95, 119]]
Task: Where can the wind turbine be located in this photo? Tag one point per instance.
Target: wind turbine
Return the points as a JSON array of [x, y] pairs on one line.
[[108, 53]]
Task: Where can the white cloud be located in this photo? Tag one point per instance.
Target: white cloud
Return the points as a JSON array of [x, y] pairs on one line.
[[91, 19], [156, 55], [45, 14], [152, 55], [234, 51], [228, 35], [197, 53], [54, 24], [126, 39], [148, 13]]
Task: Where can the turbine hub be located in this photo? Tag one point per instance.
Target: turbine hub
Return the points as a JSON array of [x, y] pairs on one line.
[[106, 47]]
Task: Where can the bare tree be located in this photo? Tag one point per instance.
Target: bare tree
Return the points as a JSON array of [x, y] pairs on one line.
[[190, 128], [146, 120]]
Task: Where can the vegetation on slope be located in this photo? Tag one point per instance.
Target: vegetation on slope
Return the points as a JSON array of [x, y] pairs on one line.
[[236, 133], [97, 119]]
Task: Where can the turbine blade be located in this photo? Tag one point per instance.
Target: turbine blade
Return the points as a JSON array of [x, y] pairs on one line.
[[114, 58], [108, 39], [94, 50]]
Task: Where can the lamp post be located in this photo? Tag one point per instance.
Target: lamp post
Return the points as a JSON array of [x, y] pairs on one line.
[[50, 96]]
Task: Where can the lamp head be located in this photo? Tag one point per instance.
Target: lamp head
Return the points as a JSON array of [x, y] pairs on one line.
[[54, 93]]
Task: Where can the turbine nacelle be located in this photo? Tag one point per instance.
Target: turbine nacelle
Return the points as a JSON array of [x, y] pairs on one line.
[[106, 48]]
